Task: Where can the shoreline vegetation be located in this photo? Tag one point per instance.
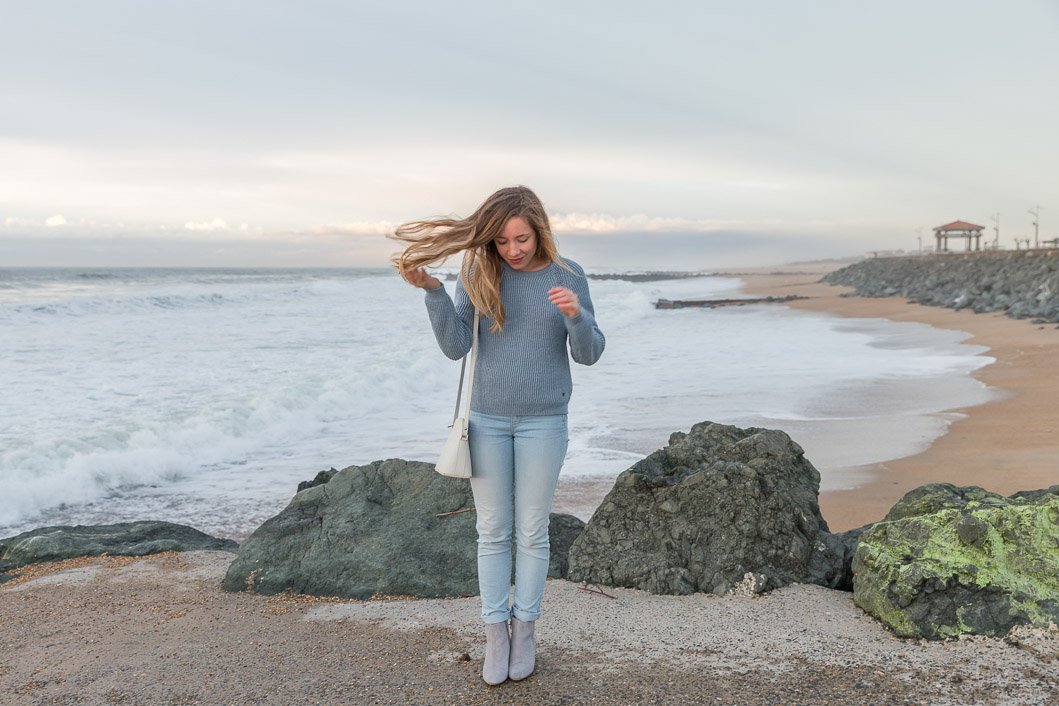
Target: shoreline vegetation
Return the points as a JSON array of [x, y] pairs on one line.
[[160, 629]]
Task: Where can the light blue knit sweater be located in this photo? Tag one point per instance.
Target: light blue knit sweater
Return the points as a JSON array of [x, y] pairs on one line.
[[523, 370]]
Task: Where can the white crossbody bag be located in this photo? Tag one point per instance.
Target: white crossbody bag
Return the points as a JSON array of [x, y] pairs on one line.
[[455, 459]]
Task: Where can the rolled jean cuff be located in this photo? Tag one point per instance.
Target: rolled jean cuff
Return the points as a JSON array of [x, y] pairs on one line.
[[525, 615]]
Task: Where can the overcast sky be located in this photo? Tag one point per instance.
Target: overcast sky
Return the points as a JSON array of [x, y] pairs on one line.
[[691, 134]]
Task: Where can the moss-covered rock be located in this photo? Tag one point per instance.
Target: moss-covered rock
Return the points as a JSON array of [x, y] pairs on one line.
[[980, 564], [932, 497]]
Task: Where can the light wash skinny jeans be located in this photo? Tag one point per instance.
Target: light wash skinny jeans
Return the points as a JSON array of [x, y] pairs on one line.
[[516, 463]]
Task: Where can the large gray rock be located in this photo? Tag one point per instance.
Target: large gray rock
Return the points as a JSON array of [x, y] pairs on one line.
[[381, 528], [320, 478], [948, 561], [718, 509], [831, 564], [6, 566], [121, 539]]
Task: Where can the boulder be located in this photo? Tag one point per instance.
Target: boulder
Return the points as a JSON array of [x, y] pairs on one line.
[[831, 564], [1037, 495], [948, 561], [562, 531], [391, 527], [121, 539], [932, 497], [718, 508], [321, 478]]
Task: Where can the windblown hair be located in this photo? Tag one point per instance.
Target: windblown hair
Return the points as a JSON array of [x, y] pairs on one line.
[[431, 242]]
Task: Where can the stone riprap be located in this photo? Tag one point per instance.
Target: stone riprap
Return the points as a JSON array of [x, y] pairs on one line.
[[948, 561], [391, 527], [120, 539], [720, 509], [1020, 284]]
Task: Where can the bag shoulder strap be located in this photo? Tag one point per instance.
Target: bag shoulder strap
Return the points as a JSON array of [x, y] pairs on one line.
[[463, 368]]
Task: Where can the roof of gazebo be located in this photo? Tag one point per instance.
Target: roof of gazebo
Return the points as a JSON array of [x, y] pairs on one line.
[[959, 225]]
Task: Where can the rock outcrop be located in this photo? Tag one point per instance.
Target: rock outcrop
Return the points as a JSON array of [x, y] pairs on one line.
[[1020, 284], [932, 497], [831, 564], [390, 527], [121, 539], [948, 561], [719, 509], [320, 478]]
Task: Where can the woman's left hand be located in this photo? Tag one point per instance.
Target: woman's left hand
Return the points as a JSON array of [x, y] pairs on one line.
[[565, 300]]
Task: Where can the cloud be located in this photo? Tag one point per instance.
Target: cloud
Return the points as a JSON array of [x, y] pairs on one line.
[[355, 228], [217, 224], [56, 220], [605, 223]]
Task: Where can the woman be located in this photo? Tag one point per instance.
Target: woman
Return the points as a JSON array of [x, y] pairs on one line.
[[532, 303]]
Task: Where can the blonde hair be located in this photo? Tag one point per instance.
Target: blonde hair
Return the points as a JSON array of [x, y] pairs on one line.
[[431, 242]]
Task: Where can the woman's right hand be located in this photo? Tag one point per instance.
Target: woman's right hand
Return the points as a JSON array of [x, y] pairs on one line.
[[420, 278]]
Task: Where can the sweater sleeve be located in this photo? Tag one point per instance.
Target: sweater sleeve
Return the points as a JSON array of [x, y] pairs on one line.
[[586, 340], [451, 321]]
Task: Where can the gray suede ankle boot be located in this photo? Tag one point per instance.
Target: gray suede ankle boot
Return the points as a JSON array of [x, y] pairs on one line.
[[497, 650], [523, 649]]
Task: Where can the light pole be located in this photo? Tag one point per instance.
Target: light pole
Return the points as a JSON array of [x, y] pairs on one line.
[[919, 239], [1036, 213], [996, 231]]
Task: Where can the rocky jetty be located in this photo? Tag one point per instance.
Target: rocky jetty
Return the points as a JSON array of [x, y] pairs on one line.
[[390, 527], [1020, 284], [121, 539], [948, 560], [720, 509], [716, 303]]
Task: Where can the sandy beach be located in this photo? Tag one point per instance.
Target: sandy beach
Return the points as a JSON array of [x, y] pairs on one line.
[[160, 630], [1006, 445]]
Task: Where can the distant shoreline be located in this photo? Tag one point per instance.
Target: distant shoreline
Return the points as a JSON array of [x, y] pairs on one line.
[[661, 276]]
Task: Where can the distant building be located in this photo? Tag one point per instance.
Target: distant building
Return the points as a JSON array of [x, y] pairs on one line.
[[958, 229]]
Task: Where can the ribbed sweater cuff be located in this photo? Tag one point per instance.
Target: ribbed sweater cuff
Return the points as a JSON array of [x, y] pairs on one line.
[[436, 292]]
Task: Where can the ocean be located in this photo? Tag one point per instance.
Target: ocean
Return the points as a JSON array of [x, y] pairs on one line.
[[203, 396]]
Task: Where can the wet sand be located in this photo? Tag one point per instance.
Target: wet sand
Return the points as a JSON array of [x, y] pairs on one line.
[[1006, 445]]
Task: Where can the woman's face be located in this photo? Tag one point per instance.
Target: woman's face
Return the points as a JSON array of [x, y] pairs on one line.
[[517, 244]]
